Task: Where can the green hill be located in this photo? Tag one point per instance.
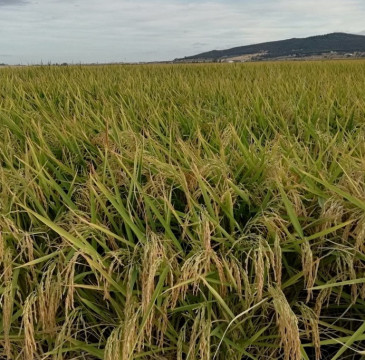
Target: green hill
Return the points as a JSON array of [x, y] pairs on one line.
[[315, 45]]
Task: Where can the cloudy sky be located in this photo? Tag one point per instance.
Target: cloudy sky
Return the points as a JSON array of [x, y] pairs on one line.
[[32, 31]]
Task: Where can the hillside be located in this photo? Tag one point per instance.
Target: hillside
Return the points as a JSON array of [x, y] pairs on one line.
[[339, 43]]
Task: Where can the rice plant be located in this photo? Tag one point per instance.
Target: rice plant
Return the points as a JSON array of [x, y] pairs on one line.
[[183, 212]]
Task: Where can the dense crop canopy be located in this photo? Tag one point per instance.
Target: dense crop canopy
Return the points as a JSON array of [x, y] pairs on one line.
[[183, 212]]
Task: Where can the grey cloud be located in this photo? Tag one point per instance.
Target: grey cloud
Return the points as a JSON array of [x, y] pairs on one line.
[[198, 44], [143, 30], [12, 2]]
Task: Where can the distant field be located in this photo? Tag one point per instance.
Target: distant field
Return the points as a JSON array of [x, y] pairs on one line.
[[183, 211]]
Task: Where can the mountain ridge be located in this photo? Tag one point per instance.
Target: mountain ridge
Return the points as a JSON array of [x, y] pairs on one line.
[[338, 42]]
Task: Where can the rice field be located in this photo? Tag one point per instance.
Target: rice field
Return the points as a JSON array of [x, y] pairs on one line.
[[189, 212]]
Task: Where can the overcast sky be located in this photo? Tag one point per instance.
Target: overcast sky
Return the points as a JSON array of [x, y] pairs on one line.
[[32, 31]]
